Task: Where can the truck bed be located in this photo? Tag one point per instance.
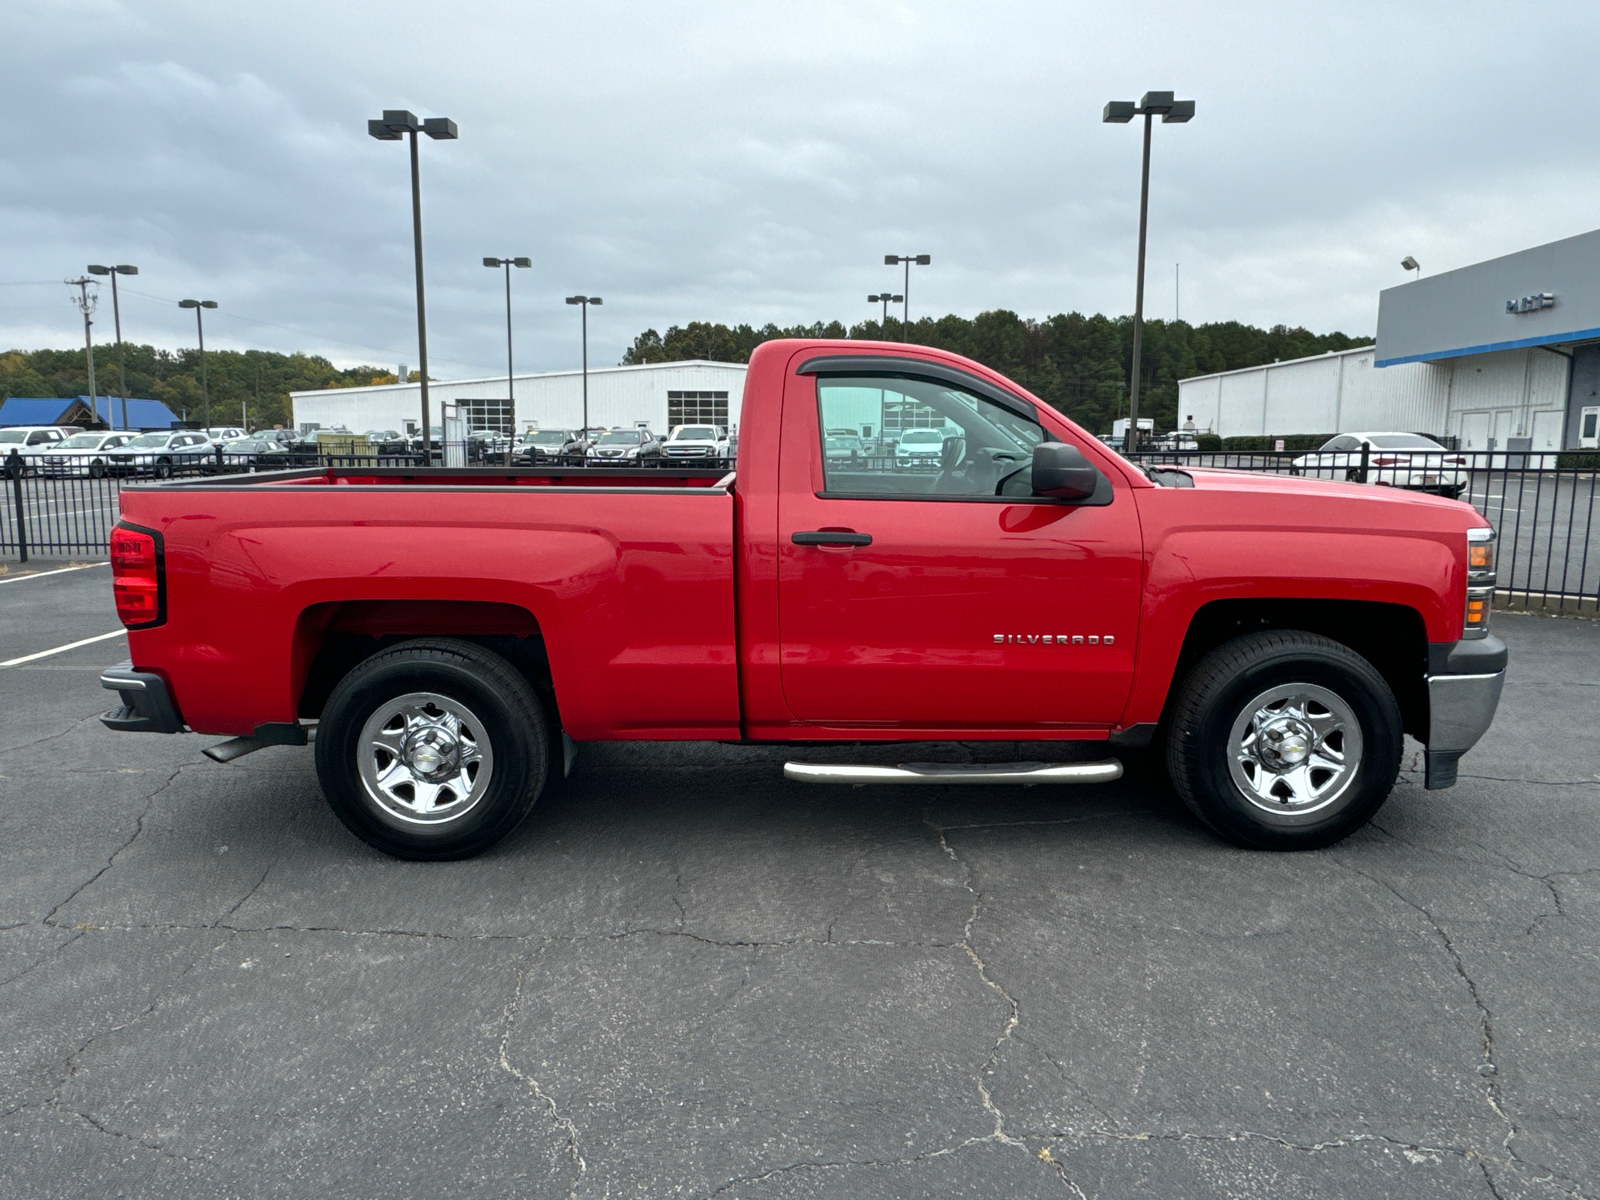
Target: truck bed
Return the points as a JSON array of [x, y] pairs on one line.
[[625, 576]]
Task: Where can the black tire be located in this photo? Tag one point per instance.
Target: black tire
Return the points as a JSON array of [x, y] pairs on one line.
[[163, 469], [512, 724], [1218, 694]]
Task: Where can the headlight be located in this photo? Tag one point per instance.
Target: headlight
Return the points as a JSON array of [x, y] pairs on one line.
[[1480, 583]]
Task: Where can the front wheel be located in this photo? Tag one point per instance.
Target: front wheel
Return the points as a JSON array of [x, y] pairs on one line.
[[432, 749], [1284, 741], [163, 469]]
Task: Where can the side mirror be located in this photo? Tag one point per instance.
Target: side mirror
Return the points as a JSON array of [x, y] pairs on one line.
[[1062, 472]]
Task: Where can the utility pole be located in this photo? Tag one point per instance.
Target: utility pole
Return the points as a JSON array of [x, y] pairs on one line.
[[86, 303]]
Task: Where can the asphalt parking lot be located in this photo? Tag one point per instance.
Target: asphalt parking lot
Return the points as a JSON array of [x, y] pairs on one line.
[[686, 977]]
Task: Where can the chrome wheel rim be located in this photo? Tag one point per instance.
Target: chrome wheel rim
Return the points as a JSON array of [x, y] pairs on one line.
[[425, 758], [1295, 749]]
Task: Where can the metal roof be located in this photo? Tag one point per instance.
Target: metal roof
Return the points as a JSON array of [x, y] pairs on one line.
[[48, 410]]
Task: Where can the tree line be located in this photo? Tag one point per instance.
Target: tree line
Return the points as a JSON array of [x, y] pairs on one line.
[[253, 381], [1079, 365]]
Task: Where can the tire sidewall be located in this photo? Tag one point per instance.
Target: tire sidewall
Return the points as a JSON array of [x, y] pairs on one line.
[[1375, 708], [519, 759]]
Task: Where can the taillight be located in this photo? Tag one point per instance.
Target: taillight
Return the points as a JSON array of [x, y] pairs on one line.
[[136, 571], [1460, 462], [1387, 462]]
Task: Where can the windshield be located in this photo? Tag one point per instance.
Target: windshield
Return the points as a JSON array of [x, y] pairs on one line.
[[147, 440], [622, 437], [81, 441], [694, 433], [844, 443], [1403, 441], [546, 437], [921, 437]]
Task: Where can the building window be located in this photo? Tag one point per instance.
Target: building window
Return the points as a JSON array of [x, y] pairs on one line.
[[697, 408], [489, 414]]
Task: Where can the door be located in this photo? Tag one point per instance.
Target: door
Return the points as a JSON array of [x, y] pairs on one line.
[[943, 599], [1503, 429], [1474, 431], [1589, 428]]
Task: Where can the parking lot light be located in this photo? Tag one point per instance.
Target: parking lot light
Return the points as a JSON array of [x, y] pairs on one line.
[[584, 302], [205, 391], [921, 260], [395, 124], [508, 263], [116, 316], [1120, 112]]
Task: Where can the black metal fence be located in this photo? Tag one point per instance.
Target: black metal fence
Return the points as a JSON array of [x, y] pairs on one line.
[[1542, 505]]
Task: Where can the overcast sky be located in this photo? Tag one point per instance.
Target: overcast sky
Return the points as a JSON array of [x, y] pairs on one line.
[[755, 161]]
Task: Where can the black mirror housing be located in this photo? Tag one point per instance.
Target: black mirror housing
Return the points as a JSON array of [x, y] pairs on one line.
[[1063, 473]]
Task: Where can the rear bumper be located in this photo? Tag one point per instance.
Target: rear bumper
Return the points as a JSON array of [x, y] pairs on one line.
[[1463, 693], [147, 705]]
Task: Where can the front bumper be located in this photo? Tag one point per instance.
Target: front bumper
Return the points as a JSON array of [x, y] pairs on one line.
[[147, 705], [1464, 684]]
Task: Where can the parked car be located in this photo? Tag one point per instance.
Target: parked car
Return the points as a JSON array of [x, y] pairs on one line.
[[388, 441], [435, 437], [1403, 460], [551, 446], [259, 453], [696, 443], [82, 454], [624, 446], [221, 435], [1278, 637], [28, 442], [846, 446], [163, 454], [919, 448]]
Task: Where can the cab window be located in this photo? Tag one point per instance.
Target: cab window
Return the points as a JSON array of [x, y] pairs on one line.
[[918, 437]]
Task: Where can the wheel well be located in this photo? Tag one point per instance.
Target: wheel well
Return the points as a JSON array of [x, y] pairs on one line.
[[1391, 637], [332, 638]]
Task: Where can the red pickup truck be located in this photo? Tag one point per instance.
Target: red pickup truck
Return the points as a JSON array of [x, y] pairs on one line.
[[449, 634]]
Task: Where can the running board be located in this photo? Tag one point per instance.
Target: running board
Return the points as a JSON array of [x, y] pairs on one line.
[[1028, 774]]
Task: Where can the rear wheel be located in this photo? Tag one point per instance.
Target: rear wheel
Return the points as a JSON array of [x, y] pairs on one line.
[[1284, 741], [432, 749]]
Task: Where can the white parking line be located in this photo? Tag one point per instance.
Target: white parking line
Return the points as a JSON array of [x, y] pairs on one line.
[[57, 571], [28, 658]]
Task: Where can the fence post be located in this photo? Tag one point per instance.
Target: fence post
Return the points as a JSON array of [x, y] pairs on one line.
[[1366, 452], [14, 469]]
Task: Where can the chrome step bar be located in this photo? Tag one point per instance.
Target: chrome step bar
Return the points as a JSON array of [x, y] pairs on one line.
[[1028, 774]]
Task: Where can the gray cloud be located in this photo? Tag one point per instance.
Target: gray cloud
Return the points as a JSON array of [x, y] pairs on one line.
[[744, 162]]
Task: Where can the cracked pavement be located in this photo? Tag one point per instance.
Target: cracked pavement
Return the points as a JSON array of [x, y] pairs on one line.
[[686, 977]]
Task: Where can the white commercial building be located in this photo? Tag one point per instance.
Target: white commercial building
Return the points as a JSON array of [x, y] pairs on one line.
[[659, 395], [1501, 355]]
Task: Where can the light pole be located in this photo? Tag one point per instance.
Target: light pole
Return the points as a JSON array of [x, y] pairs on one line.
[[584, 302], [890, 260], [886, 300], [116, 315], [508, 263], [1411, 264], [200, 327], [85, 303], [391, 127], [1120, 112]]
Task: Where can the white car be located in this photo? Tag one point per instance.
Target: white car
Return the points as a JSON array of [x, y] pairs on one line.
[[707, 443], [221, 435], [81, 454], [28, 442], [1403, 460], [919, 447]]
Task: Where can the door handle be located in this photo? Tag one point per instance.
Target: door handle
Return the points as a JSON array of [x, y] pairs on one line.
[[830, 537]]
